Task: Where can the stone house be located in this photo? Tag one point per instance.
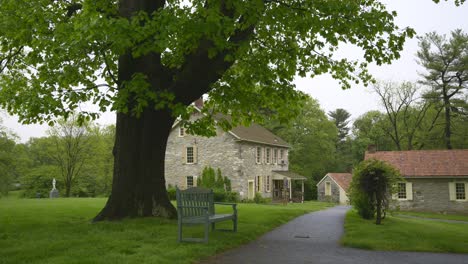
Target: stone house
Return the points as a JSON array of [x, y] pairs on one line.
[[436, 180], [253, 158], [333, 187]]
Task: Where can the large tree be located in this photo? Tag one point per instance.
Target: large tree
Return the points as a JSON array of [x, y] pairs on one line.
[[149, 59], [446, 62], [405, 111]]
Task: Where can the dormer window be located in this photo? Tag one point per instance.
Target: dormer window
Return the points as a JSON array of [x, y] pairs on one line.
[[181, 131]]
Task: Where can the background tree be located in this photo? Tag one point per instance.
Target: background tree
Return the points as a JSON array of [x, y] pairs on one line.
[[312, 137], [156, 57], [71, 151], [371, 187], [404, 110], [341, 119], [446, 63]]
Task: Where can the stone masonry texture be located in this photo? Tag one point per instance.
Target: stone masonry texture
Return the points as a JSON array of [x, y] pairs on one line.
[[235, 158]]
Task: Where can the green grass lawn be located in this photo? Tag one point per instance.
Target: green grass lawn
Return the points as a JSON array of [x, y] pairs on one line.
[[434, 215], [59, 231], [405, 234]]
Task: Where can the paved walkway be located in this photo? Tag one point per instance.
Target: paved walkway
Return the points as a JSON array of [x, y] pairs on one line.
[[314, 238]]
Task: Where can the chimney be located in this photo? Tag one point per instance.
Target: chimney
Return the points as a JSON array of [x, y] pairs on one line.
[[199, 103], [371, 148]]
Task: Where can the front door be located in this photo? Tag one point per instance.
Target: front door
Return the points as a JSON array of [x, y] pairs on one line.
[[251, 193]]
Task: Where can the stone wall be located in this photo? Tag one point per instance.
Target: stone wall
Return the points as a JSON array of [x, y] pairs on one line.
[[432, 195], [335, 191], [235, 158]]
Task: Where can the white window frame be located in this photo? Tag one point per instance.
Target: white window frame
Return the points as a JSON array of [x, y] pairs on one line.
[[187, 155], [464, 189], [268, 155], [181, 131], [401, 191], [275, 156], [258, 155], [187, 181], [281, 154]]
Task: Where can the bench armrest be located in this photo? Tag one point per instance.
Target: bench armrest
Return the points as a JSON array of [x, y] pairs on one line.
[[234, 206], [191, 206]]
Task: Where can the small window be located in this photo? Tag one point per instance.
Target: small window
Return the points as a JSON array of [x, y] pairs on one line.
[[190, 155], [258, 155], [460, 191], [281, 154], [327, 188], [402, 190], [190, 182], [181, 131], [275, 156], [268, 155]]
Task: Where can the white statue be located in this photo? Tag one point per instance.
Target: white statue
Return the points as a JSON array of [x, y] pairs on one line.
[[53, 184]]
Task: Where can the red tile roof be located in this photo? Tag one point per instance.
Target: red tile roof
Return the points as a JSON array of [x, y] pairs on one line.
[[343, 179], [426, 163]]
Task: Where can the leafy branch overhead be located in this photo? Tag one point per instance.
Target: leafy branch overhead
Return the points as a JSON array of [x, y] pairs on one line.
[[244, 53]]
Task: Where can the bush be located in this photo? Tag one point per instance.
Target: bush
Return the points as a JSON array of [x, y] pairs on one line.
[[171, 192], [38, 182], [259, 199], [371, 186]]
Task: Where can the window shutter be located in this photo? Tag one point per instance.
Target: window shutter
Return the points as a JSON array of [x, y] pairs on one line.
[[409, 191], [466, 191], [184, 155], [452, 191], [195, 178], [185, 183], [195, 154], [260, 183]]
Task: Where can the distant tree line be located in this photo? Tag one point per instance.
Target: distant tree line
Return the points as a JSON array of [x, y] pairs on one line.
[[78, 156]]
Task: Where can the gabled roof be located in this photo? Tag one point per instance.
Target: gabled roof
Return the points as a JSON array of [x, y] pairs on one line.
[[253, 133], [426, 163], [342, 179]]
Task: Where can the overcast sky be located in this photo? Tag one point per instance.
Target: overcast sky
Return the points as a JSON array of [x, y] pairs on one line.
[[422, 15]]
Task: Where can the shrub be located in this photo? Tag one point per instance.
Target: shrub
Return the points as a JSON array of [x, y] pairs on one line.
[[371, 186], [171, 192]]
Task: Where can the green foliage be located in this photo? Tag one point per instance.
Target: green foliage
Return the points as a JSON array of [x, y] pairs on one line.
[[447, 76], [37, 165], [258, 199], [7, 163], [220, 184], [312, 137], [63, 66], [372, 183], [38, 181]]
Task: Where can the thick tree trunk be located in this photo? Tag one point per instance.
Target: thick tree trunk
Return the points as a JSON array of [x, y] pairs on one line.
[[139, 187]]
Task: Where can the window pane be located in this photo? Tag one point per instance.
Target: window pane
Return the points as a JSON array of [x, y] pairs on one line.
[[401, 190], [189, 154], [189, 181], [460, 191]]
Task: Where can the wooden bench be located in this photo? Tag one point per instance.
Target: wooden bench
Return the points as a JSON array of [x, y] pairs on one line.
[[196, 206]]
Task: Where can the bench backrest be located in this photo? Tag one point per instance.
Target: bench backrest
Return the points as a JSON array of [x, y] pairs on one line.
[[197, 197]]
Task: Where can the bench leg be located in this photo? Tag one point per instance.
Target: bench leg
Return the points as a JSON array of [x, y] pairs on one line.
[[179, 233], [212, 226], [234, 223], [207, 229]]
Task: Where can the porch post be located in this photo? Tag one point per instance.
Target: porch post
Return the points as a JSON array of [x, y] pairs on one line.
[[302, 191], [290, 189]]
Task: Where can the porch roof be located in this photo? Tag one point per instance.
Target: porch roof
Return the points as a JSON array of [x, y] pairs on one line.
[[279, 175]]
